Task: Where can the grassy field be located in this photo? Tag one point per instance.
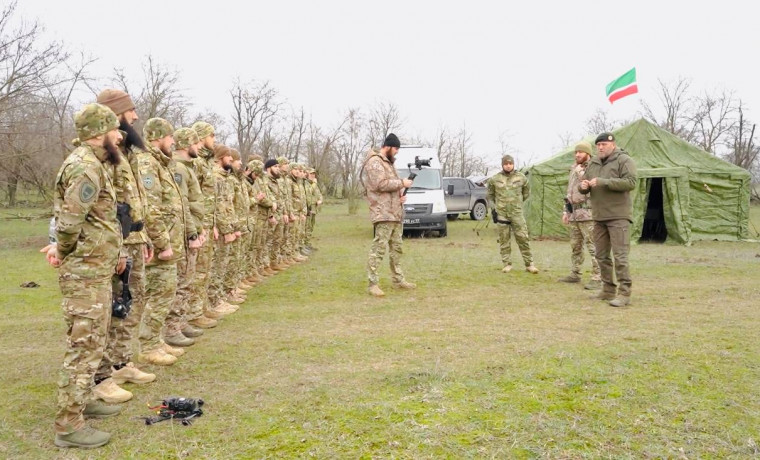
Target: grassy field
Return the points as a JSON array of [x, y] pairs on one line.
[[473, 364]]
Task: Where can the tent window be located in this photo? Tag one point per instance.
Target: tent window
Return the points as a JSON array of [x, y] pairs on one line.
[[654, 229]]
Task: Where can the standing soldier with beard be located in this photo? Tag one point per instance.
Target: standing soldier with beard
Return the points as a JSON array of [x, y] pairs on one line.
[[167, 231], [204, 171], [316, 201], [224, 226], [262, 210], [298, 206], [88, 239], [235, 269], [578, 216], [176, 331], [305, 198], [276, 219], [116, 367], [286, 197]]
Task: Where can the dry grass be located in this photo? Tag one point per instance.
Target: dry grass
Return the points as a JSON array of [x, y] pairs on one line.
[[474, 363]]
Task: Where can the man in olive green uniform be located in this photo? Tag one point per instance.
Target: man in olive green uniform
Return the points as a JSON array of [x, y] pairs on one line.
[[235, 271], [289, 218], [263, 201], [385, 196], [224, 226], [204, 171], [306, 198], [609, 178], [176, 330], [577, 215], [506, 192], [116, 366], [316, 203], [88, 240], [279, 215], [298, 207], [166, 227]]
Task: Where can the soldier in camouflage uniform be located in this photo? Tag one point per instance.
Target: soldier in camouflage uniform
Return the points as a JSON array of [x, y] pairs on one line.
[[298, 206], [166, 227], [263, 214], [279, 215], [577, 215], [286, 198], [116, 366], [316, 203], [88, 240], [384, 193], [204, 171], [306, 194], [224, 226], [506, 192], [235, 270], [176, 330]]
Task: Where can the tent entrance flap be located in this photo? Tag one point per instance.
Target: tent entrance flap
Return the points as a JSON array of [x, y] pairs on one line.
[[654, 229]]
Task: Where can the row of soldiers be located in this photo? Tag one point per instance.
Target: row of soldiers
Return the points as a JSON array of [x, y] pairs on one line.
[[194, 229]]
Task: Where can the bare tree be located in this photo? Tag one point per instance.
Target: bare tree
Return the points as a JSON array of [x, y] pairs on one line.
[[676, 109], [255, 106], [714, 119], [600, 122], [745, 152], [384, 119], [218, 121]]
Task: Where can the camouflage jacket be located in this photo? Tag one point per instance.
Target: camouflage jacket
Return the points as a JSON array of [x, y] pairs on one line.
[[285, 195], [224, 195], [580, 202], [383, 186], [129, 190], [263, 207], [317, 193], [165, 219], [296, 196], [241, 202], [273, 185], [506, 193], [187, 181], [307, 195], [87, 232], [204, 171]]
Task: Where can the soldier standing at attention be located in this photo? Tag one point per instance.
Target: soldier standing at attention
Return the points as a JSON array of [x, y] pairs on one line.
[[88, 240], [577, 215], [314, 209], [166, 229], [385, 196], [276, 217], [609, 179], [507, 190], [177, 332]]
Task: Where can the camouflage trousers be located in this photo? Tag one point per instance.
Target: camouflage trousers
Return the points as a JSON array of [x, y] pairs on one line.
[[294, 237], [311, 220], [200, 285], [87, 310], [581, 235], [222, 256], [179, 313], [387, 236], [234, 271], [274, 242], [520, 230], [258, 244], [160, 289], [122, 333], [613, 236]]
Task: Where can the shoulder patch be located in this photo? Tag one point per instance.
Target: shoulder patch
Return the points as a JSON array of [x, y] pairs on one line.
[[87, 192], [149, 180], [178, 178]]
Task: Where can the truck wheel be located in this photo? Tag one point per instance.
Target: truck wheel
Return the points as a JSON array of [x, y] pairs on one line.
[[452, 216], [479, 211]]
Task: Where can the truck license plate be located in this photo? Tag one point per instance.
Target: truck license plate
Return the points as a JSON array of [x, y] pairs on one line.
[[411, 221]]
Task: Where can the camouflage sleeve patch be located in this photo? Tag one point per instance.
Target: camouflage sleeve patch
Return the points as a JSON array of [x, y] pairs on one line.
[[149, 181], [87, 191], [178, 178]]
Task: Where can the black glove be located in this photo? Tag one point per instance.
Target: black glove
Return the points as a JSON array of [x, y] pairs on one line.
[[494, 216], [122, 213], [568, 206]]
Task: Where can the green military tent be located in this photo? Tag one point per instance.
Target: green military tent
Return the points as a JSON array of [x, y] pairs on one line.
[[683, 193]]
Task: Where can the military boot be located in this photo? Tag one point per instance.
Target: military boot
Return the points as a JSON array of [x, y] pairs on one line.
[[98, 409], [172, 351], [571, 278], [226, 308], [531, 269], [244, 286], [593, 285], [374, 290], [404, 284], [179, 340], [603, 296], [620, 301], [192, 332], [234, 299], [110, 392], [130, 373], [203, 322], [507, 268], [300, 258], [158, 357], [268, 271], [86, 438]]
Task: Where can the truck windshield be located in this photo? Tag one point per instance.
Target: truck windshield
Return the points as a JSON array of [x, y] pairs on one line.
[[428, 179]]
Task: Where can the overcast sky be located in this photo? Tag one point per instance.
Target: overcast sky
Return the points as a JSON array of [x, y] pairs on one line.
[[533, 70]]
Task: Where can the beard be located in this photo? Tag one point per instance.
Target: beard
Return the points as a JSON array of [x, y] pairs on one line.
[[227, 167], [133, 139], [113, 155], [166, 151], [192, 152], [274, 174], [391, 157]]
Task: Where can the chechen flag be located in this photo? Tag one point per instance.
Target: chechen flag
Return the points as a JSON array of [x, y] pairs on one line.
[[623, 86]]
